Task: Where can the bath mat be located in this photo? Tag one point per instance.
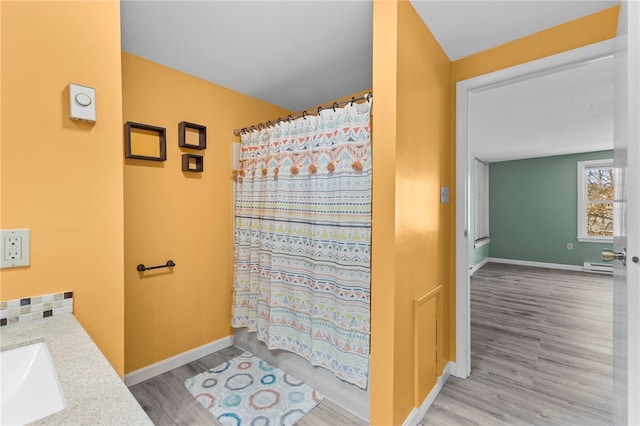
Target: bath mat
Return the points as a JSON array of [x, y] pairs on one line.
[[249, 391]]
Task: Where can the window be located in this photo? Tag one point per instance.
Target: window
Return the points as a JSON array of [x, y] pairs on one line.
[[596, 180], [481, 203]]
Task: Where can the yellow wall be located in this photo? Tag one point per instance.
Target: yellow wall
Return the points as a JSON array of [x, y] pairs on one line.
[[60, 178], [182, 216], [384, 132], [410, 225], [571, 35]]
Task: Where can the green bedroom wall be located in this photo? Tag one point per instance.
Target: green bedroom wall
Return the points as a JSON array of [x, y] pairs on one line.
[[533, 210], [480, 254]]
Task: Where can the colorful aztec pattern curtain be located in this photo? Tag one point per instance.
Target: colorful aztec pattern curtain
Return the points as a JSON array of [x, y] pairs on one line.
[[303, 239]]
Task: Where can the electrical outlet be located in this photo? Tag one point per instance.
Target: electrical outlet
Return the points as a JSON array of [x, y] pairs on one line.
[[569, 246], [15, 247]]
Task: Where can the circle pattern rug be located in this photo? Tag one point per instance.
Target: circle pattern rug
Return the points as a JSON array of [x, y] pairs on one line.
[[248, 391]]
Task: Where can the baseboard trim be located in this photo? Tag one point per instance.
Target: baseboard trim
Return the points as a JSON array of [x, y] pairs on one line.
[[478, 266], [165, 365], [418, 413], [455, 370], [537, 264], [412, 419]]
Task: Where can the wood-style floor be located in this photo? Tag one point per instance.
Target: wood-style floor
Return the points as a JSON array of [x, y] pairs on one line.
[[541, 355], [541, 344], [167, 402]]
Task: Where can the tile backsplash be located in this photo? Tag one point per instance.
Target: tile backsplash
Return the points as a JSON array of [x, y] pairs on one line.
[[37, 307]]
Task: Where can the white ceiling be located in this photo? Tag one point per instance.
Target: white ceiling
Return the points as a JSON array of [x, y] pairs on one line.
[[466, 27], [295, 54], [565, 112], [303, 53]]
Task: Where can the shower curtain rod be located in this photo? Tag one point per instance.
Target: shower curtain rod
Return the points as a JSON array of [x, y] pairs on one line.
[[303, 114]]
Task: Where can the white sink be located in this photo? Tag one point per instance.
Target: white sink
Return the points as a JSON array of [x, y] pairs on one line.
[[30, 388]]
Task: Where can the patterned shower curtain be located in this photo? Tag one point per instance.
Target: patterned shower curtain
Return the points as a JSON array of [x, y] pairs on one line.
[[303, 239]]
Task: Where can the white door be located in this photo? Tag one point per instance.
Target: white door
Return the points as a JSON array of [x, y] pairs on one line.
[[626, 328]]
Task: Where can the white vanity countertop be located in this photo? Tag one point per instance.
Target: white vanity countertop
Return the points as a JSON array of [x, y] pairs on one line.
[[94, 392]]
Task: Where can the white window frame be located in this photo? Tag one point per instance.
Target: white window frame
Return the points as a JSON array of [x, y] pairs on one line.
[[481, 207], [583, 166]]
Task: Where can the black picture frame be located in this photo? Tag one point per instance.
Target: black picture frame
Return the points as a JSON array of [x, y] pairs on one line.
[[187, 164], [182, 135], [162, 141]]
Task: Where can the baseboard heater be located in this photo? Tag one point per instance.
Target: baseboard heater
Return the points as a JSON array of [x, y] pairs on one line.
[[598, 268]]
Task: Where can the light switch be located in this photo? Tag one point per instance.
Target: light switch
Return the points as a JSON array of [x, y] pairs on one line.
[[82, 103], [444, 194]]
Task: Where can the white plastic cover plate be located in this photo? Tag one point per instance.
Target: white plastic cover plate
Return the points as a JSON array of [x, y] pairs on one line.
[[82, 103]]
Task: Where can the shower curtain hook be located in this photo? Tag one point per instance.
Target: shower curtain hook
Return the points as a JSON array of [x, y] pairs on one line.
[[279, 120], [269, 123], [289, 118], [319, 109], [304, 114], [353, 99], [369, 96], [335, 105]]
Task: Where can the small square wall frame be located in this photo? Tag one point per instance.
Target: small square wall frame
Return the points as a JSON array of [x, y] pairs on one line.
[[185, 127], [145, 142], [192, 163]]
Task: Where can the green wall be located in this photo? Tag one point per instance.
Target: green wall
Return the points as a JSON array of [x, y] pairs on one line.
[[533, 210], [481, 253]]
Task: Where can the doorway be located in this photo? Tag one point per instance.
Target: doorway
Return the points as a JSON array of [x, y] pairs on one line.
[[627, 158], [465, 89]]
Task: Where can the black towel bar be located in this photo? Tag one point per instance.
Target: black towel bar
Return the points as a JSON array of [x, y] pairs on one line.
[[142, 268]]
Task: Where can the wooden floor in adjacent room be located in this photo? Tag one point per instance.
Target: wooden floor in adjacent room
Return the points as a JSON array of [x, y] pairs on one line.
[[167, 402], [541, 343]]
